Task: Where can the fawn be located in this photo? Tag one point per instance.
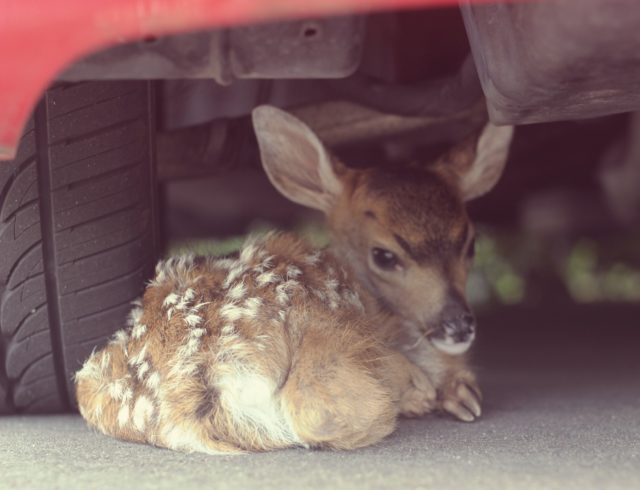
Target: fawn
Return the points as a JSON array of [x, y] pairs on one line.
[[285, 345]]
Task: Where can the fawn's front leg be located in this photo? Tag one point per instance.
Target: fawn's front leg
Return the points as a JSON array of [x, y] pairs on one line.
[[415, 392], [456, 385], [458, 391]]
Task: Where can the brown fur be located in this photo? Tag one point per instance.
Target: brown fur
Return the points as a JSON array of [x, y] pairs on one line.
[[289, 346], [329, 366]]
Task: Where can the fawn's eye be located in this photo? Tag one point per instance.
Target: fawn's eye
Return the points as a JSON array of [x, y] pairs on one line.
[[384, 259], [471, 250]]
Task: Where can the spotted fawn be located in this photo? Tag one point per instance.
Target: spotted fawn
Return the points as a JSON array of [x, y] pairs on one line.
[[285, 345]]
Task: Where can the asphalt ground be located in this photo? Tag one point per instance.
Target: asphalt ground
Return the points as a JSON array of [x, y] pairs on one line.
[[562, 410]]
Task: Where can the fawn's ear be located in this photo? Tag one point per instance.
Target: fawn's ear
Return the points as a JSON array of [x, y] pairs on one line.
[[295, 160], [478, 161]]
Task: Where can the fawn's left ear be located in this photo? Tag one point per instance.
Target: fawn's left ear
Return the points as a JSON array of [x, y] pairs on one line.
[[478, 162]]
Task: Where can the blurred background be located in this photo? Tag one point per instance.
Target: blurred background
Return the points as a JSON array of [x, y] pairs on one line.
[[560, 228]]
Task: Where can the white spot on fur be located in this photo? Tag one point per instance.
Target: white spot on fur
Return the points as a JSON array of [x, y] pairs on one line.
[[185, 300], [353, 299], [90, 369], [238, 291], [251, 307], [142, 412], [332, 295], [142, 370], [284, 290], [224, 263], [186, 439], [313, 259], [231, 312], [293, 272], [118, 388], [138, 331], [174, 268], [134, 316], [193, 320], [267, 278], [123, 415], [153, 381], [104, 361], [251, 399], [171, 299], [127, 394], [267, 263], [137, 359], [121, 337], [247, 253], [235, 272], [228, 330]]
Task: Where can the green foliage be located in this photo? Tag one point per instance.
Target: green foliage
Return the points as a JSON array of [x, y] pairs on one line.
[[589, 270], [592, 275]]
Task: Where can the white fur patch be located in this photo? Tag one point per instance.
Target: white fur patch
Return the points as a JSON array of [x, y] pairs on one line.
[[142, 412], [116, 388], [284, 291], [353, 299], [170, 300], [134, 316], [224, 263], [174, 268], [234, 273], [142, 370], [267, 278], [137, 359], [153, 381], [91, 369], [228, 330], [238, 291], [232, 312], [251, 400], [138, 331], [313, 258], [186, 439], [293, 272], [123, 415], [248, 252], [448, 346], [121, 337], [267, 263], [333, 298], [192, 320]]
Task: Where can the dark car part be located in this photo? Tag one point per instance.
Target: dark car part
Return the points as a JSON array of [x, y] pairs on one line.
[[446, 96], [322, 48], [556, 60], [220, 145], [78, 235]]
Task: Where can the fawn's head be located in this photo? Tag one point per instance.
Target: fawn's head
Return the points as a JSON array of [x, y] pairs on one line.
[[404, 232]]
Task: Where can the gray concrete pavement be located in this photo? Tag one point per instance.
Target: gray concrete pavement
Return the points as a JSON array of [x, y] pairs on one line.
[[562, 411]]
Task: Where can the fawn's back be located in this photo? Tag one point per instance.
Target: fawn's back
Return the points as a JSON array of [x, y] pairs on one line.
[[215, 360]]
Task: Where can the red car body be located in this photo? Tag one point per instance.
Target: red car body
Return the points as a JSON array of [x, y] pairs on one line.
[[39, 38]]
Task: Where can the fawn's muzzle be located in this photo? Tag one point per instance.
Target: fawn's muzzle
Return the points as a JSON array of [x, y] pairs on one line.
[[457, 328]]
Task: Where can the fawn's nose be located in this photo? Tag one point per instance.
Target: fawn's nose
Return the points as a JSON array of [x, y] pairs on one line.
[[457, 327]]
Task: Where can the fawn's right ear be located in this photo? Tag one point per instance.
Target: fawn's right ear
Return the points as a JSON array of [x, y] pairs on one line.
[[295, 160], [478, 161]]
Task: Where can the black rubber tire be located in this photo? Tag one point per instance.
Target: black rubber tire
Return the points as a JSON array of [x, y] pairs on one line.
[[78, 235]]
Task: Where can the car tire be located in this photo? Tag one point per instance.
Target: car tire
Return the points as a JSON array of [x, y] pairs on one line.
[[78, 235]]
